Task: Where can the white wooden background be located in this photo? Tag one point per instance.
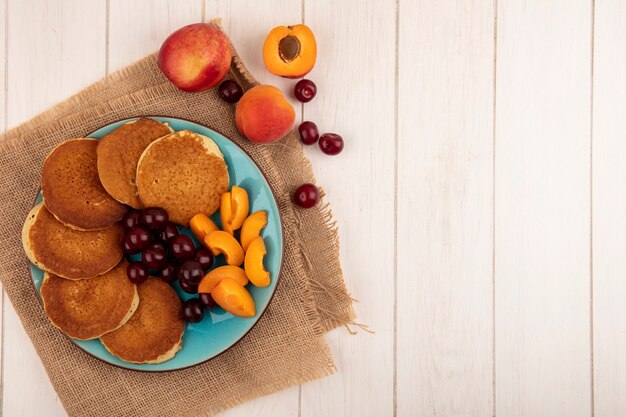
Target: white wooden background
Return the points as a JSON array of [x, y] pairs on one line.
[[481, 197]]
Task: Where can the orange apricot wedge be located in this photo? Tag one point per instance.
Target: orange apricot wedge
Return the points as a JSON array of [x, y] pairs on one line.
[[201, 226], [251, 228], [226, 213], [211, 279], [240, 206], [254, 263], [222, 242], [234, 298]]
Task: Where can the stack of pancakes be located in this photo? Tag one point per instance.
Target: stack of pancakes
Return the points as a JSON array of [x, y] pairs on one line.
[[75, 236]]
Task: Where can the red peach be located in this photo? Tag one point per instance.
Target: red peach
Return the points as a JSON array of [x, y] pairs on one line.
[[195, 57]]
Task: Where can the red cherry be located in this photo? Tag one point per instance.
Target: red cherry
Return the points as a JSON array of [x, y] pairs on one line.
[[306, 196], [308, 133], [331, 143], [305, 90], [230, 91], [137, 272]]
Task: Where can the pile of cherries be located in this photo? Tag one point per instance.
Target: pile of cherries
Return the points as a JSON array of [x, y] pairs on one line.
[[167, 254]]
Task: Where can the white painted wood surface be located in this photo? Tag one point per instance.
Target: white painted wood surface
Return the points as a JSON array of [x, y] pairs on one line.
[[444, 216], [609, 209], [480, 199], [542, 209]]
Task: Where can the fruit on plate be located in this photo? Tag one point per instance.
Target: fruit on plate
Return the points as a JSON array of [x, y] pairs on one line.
[[223, 242], [254, 263], [193, 310], [264, 115], [305, 90], [252, 227], [306, 196], [196, 57], [205, 257], [210, 280], [201, 226], [234, 298], [182, 247], [234, 209], [290, 51]]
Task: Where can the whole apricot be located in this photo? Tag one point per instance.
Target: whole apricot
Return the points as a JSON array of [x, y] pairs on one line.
[[264, 115]]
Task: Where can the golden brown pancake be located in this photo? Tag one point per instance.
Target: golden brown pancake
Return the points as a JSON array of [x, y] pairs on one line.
[[89, 308], [184, 173], [72, 190], [154, 333], [66, 252], [118, 154]]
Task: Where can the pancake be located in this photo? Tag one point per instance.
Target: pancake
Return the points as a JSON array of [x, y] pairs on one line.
[[72, 190], [118, 154], [184, 173], [66, 252], [89, 308], [154, 333]]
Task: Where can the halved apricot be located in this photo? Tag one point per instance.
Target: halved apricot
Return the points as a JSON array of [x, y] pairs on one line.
[[201, 226], [290, 51], [240, 206], [226, 213], [214, 276], [234, 298], [222, 242], [254, 263], [251, 228]]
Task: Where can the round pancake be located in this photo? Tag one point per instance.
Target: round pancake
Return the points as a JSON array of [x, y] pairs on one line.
[[66, 252], [154, 333], [184, 173], [89, 308], [72, 190], [118, 154]]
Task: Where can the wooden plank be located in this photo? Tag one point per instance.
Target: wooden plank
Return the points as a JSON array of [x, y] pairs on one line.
[[139, 27], [247, 24], [609, 208], [542, 209], [444, 194], [355, 77], [47, 61]]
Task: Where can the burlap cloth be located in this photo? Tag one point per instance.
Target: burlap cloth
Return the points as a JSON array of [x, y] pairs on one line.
[[285, 348]]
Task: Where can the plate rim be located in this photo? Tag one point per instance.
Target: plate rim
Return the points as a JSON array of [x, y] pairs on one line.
[[280, 265]]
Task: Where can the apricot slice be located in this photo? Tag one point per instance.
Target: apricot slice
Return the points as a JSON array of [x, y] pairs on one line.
[[240, 206], [254, 263], [222, 242], [201, 226], [211, 279], [226, 213], [290, 51], [234, 298], [251, 228]]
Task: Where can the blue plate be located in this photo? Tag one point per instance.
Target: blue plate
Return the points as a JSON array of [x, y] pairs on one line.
[[219, 330]]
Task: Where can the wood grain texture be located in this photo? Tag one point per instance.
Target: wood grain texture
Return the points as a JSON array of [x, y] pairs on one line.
[[54, 49], [247, 23], [542, 209], [355, 77], [139, 27], [609, 209], [444, 324]]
